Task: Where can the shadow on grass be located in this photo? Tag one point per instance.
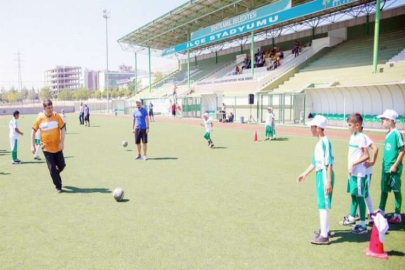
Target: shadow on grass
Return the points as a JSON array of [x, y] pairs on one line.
[[94, 126], [129, 150], [163, 158], [219, 147], [345, 236], [68, 157], [4, 173], [32, 162], [396, 227], [395, 253], [123, 201], [280, 139], [70, 189]]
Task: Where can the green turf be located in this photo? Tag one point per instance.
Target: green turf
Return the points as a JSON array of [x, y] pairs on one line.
[[188, 207]]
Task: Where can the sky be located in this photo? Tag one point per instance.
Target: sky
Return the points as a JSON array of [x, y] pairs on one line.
[[70, 32]]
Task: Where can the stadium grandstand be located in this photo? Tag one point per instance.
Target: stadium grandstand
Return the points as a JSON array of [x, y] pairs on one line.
[[329, 57]]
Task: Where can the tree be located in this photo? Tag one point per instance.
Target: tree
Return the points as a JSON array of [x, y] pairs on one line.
[[125, 92], [45, 93], [4, 96], [12, 97], [132, 84], [24, 93], [96, 94], [114, 93], [32, 95], [65, 94], [81, 94]]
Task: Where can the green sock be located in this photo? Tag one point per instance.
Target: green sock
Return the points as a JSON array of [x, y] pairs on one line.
[[13, 155], [362, 208], [383, 200], [398, 202], [353, 206]]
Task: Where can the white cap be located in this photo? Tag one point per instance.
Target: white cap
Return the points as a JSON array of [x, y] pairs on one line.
[[138, 100], [319, 121], [389, 114], [205, 114], [269, 108]]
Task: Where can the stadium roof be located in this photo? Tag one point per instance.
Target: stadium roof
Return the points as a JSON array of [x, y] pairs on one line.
[[173, 27]]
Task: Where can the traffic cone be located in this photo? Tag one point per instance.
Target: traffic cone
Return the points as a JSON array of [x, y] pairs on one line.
[[376, 248], [255, 136]]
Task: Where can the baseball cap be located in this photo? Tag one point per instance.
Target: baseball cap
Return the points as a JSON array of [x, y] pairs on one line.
[[319, 121], [389, 114], [205, 114]]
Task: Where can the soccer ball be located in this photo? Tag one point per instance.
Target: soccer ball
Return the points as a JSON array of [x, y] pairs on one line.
[[125, 143], [118, 194]]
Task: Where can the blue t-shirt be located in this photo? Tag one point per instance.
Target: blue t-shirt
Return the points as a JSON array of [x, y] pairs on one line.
[[140, 118]]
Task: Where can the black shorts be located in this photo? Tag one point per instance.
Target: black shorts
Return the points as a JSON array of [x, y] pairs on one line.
[[150, 112], [87, 117], [140, 134], [173, 112]]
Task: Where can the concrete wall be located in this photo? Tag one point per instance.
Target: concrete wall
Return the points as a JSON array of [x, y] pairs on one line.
[[34, 109]]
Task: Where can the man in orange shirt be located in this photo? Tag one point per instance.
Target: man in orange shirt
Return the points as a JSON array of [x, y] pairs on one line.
[[52, 141]]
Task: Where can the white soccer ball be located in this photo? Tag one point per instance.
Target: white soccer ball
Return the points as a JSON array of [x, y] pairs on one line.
[[125, 143], [118, 194]]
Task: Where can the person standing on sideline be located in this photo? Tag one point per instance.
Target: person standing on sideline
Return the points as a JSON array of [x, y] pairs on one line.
[[322, 161], [140, 127], [37, 142], [173, 107], [223, 113], [86, 115], [394, 152], [269, 124], [53, 139], [151, 116], [14, 136], [208, 128], [81, 114], [63, 115], [175, 93], [357, 182]]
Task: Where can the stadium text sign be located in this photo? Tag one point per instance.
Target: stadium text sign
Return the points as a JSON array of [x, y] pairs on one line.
[[243, 18], [256, 24]]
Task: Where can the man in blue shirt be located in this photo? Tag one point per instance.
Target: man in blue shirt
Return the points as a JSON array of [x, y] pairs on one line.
[[140, 127]]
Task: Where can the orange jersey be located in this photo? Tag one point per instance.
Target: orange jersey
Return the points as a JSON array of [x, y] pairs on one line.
[[50, 127]]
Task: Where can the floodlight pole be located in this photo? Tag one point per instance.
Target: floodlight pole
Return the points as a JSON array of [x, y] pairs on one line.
[[376, 35], [252, 54], [106, 15], [136, 74], [188, 60], [150, 72]]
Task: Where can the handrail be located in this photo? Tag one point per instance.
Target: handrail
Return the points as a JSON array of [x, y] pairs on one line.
[[216, 70], [276, 74]]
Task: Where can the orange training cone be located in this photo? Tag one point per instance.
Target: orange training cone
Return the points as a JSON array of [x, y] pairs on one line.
[[255, 136], [376, 248]]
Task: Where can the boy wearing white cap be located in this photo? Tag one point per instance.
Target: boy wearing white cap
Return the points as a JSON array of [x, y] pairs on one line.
[[322, 162], [269, 124], [392, 165], [208, 127]]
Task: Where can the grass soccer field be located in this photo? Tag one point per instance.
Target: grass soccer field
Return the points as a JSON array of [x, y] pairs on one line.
[[237, 206]]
